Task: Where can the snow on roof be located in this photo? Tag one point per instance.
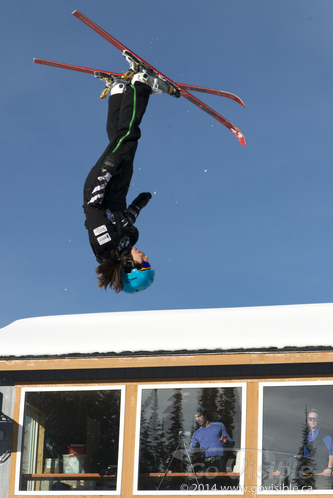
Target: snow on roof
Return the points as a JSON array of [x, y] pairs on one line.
[[222, 329]]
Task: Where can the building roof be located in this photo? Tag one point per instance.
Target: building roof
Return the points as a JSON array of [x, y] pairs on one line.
[[222, 330]]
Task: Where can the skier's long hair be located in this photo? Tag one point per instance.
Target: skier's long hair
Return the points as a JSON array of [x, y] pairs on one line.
[[110, 271]]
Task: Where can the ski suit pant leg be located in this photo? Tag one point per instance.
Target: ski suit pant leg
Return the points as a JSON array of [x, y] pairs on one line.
[[125, 113]]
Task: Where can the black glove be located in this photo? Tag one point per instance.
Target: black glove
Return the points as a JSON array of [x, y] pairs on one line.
[[142, 200], [111, 165]]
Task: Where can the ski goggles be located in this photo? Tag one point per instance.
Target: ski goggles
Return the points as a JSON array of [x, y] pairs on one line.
[[145, 266]]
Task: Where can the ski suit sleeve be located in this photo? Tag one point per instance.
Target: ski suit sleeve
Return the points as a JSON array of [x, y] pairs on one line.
[[108, 169], [132, 212], [99, 186]]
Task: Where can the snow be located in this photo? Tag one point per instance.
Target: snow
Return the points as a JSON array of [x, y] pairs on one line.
[[254, 328]]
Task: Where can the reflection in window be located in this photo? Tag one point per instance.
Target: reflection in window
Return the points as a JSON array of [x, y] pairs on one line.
[[297, 439], [69, 438], [189, 439]]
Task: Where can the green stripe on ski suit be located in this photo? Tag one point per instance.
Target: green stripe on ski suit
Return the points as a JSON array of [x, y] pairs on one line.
[[131, 122]]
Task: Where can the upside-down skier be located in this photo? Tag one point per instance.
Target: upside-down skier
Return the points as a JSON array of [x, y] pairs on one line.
[[109, 221]]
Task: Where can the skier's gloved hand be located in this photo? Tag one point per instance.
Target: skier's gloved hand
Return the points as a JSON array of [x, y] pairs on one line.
[[111, 165], [142, 200], [132, 212]]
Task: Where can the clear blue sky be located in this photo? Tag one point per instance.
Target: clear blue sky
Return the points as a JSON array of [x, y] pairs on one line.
[[228, 226]]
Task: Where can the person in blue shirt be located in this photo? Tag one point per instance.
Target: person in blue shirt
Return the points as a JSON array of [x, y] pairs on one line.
[[212, 441], [320, 444]]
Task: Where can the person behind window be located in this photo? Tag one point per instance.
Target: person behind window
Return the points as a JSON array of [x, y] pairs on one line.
[[213, 440], [320, 444]]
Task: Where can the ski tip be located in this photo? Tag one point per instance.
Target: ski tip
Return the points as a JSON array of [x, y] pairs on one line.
[[74, 12], [239, 135], [238, 100], [241, 138]]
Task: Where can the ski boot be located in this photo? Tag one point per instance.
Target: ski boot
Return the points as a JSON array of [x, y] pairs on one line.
[[114, 83], [141, 72]]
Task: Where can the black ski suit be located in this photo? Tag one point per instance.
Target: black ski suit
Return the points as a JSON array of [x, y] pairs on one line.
[[108, 220]]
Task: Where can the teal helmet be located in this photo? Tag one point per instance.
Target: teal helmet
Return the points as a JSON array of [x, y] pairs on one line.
[[138, 279]]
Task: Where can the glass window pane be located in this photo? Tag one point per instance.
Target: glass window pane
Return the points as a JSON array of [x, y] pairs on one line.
[[297, 444], [189, 439], [69, 438]]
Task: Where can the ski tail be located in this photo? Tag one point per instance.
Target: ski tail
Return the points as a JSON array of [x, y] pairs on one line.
[[71, 67], [212, 91], [204, 107]]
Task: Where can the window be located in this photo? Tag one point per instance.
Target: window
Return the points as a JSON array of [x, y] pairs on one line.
[[189, 438], [69, 436], [295, 436]]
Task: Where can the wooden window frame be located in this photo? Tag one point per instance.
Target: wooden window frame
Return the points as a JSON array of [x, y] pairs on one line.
[[134, 363], [17, 434]]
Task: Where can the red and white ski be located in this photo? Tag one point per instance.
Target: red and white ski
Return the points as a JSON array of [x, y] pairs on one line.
[[236, 131], [181, 89], [189, 88], [211, 91], [80, 69]]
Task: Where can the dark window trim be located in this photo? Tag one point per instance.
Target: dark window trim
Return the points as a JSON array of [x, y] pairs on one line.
[[136, 374]]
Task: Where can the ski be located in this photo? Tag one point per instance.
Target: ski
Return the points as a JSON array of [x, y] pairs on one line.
[[189, 88], [211, 91], [184, 93], [80, 69]]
